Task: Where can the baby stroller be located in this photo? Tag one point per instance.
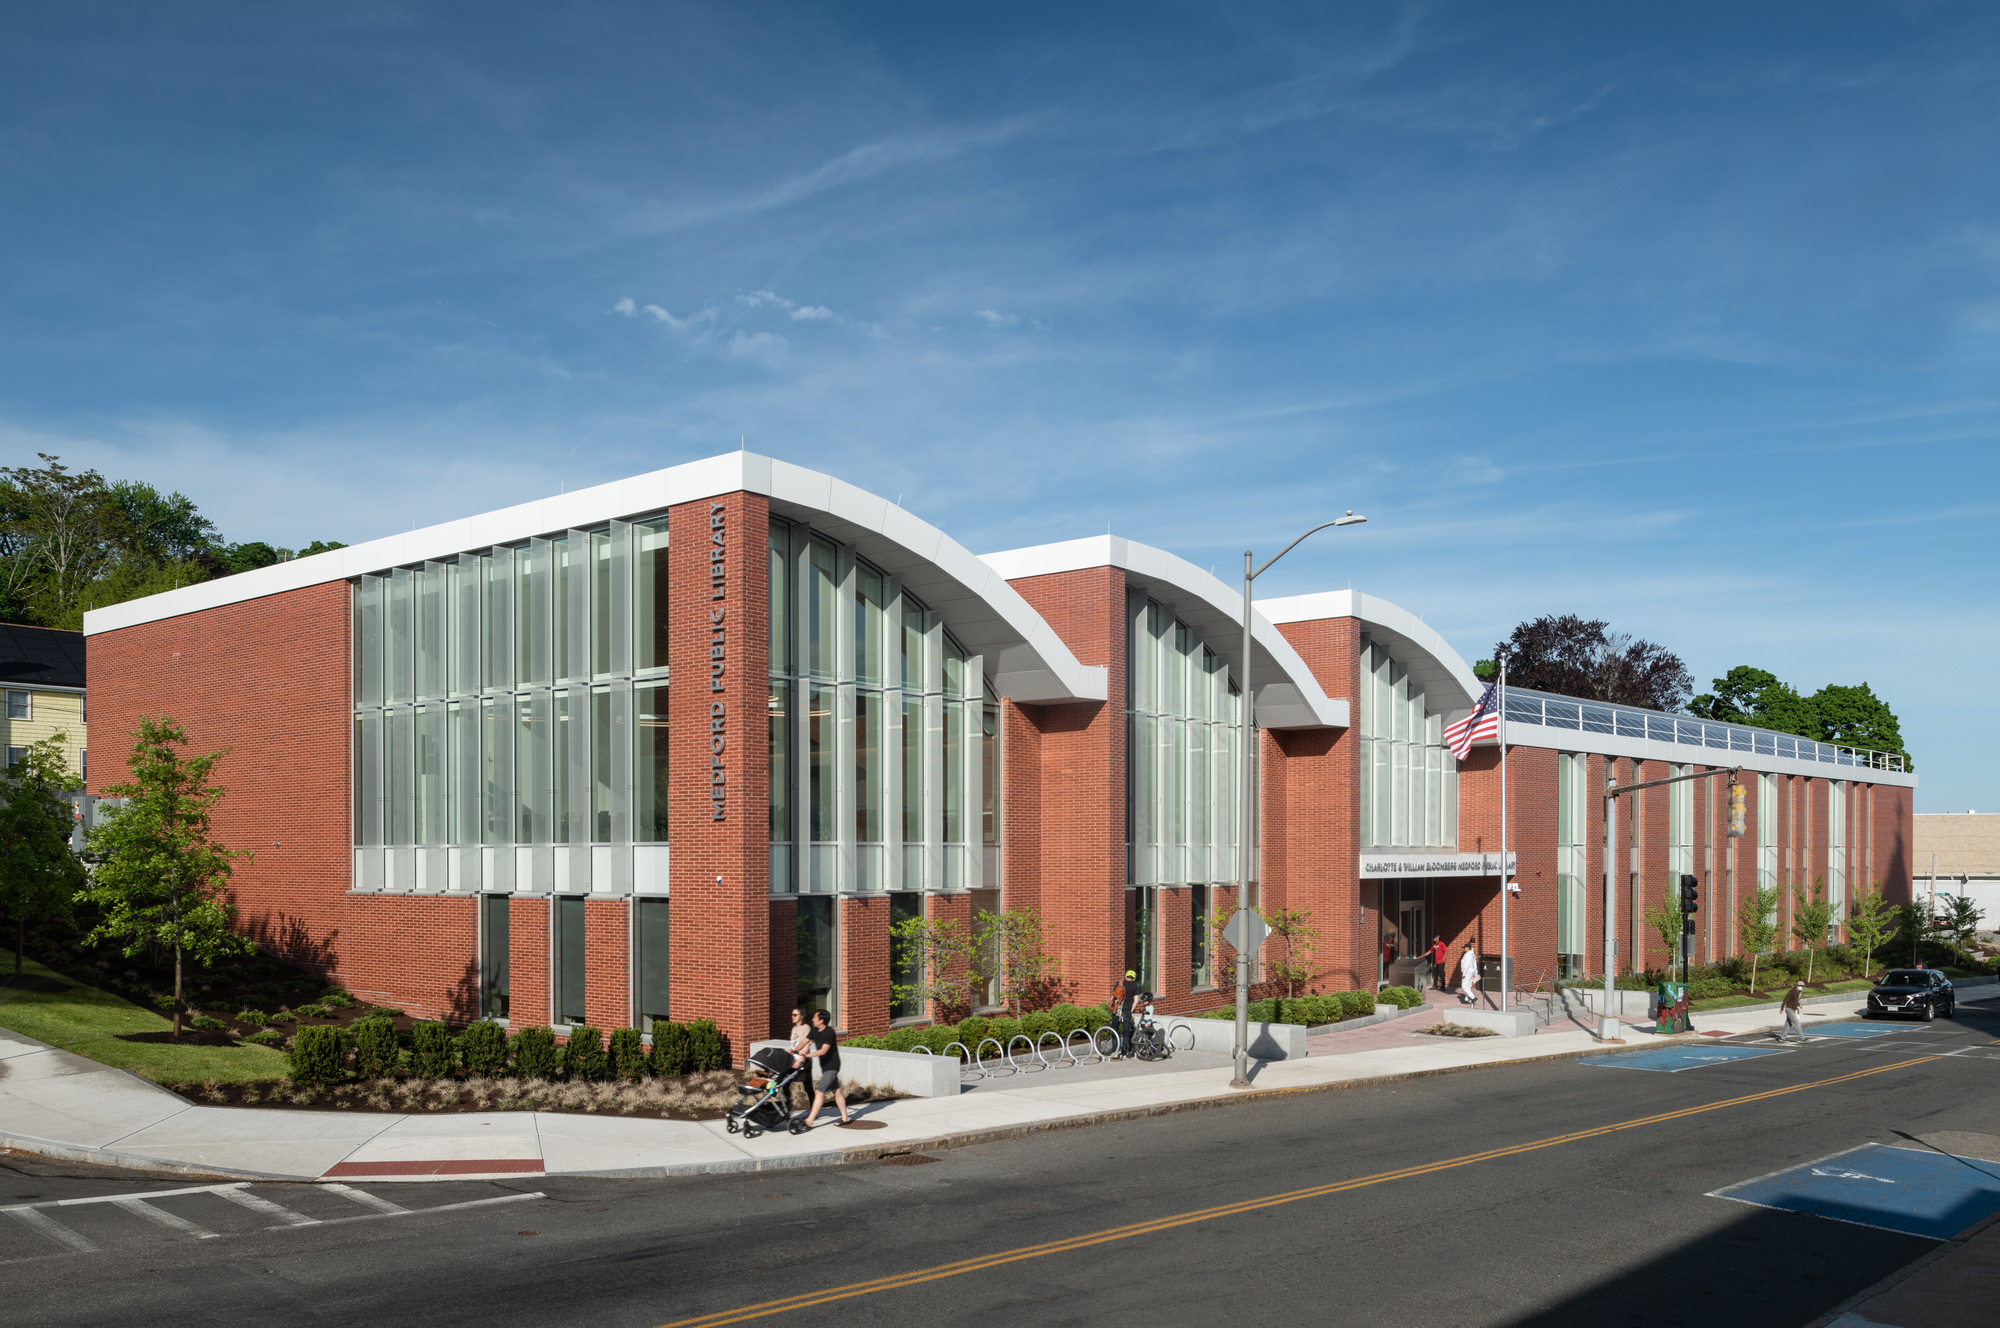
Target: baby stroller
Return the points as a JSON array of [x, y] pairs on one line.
[[764, 1100]]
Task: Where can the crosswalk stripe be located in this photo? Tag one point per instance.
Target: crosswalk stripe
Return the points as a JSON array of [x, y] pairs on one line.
[[259, 1204], [164, 1218], [54, 1230], [380, 1205]]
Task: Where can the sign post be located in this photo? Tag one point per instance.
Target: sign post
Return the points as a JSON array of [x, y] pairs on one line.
[[1245, 934]]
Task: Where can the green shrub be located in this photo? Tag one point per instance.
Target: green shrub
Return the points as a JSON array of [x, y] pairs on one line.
[[867, 1042], [1708, 989], [433, 1054], [626, 1055], [484, 1046], [1407, 998], [283, 1016], [707, 1048], [207, 1023], [940, 1036], [164, 1004], [536, 1055], [1006, 1030], [1095, 1017], [1042, 1021], [333, 998], [254, 1018], [311, 1011], [583, 1054], [266, 1037], [376, 1051], [974, 1029], [319, 1055], [671, 1052], [386, 1011], [904, 1039]]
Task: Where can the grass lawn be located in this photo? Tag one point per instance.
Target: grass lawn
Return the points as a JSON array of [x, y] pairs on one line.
[[1776, 992], [87, 1021]]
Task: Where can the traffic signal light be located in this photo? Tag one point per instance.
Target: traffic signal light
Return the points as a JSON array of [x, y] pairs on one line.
[[1735, 810], [1690, 902]]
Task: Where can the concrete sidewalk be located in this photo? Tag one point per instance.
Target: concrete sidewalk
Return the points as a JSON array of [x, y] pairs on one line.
[[62, 1105]]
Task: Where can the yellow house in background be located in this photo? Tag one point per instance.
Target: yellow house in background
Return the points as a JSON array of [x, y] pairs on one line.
[[41, 670]]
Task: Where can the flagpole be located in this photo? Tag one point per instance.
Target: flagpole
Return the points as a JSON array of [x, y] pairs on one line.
[[1501, 696]]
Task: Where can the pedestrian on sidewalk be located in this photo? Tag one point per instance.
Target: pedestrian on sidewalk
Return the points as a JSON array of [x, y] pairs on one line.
[[1123, 993], [1440, 971], [1793, 1030], [826, 1056], [1468, 976]]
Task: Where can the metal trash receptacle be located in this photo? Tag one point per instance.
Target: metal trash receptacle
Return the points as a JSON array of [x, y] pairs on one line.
[[1489, 972]]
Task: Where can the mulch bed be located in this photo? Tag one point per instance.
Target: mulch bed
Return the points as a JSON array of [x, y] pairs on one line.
[[1455, 1030]]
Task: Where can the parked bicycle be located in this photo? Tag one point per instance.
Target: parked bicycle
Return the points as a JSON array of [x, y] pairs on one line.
[[1149, 1039]]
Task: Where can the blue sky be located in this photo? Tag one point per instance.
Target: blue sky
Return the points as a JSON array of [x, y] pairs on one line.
[[1683, 317]]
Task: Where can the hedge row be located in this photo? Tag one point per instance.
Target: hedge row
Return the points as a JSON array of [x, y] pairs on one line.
[[1331, 1008], [1063, 1020], [372, 1049]]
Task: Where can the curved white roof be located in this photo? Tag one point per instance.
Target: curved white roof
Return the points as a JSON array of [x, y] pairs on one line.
[[1433, 665], [1288, 696], [1024, 657]]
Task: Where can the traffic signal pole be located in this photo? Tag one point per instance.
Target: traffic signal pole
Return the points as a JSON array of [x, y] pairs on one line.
[[1608, 1027]]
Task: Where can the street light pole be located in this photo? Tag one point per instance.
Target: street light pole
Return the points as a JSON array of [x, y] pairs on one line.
[[1245, 758]]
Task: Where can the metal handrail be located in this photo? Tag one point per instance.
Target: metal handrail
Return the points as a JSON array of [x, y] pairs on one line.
[[1563, 712]]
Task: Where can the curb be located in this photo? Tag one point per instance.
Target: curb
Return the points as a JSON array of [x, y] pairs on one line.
[[1904, 1274], [105, 1157]]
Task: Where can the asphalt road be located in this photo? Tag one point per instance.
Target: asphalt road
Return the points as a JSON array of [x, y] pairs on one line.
[[1377, 1219]]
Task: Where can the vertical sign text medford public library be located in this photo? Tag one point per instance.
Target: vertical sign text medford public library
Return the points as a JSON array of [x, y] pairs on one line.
[[718, 658]]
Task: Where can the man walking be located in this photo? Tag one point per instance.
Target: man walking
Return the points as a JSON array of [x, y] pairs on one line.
[[1440, 975], [1123, 993], [1793, 1031], [826, 1056], [1468, 976]]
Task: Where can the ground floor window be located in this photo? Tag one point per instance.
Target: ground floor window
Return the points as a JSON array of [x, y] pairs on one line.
[[569, 960], [1201, 973], [1142, 945], [493, 941], [817, 956], [649, 926], [904, 906]]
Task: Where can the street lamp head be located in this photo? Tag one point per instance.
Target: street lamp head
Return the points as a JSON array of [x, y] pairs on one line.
[[1349, 520]]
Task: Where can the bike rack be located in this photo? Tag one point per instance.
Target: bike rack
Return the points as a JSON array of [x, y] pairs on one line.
[[1061, 1047], [977, 1072], [985, 1073], [1097, 1041], [1089, 1043], [923, 1048], [1008, 1052], [1181, 1028]]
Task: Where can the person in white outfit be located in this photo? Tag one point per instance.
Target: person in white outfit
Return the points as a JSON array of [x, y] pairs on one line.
[[1468, 976]]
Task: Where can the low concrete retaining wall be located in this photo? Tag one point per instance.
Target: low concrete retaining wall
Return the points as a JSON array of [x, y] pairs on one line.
[[1513, 1022], [1268, 1042], [911, 1073]]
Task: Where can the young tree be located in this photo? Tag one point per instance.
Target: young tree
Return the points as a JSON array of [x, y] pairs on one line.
[[1961, 920], [1016, 943], [1293, 930], [39, 874], [1870, 920], [162, 878], [1812, 917], [1757, 925], [937, 954], [1665, 919]]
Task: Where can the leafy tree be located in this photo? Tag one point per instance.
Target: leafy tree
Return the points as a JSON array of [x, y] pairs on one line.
[[1812, 917], [162, 878], [1847, 716], [165, 528], [1961, 920], [1757, 924], [1293, 929], [39, 874], [937, 953], [61, 530], [1579, 657], [1016, 943], [1665, 918], [1870, 919], [1856, 717]]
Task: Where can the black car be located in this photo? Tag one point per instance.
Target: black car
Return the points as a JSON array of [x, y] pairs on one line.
[[1923, 992]]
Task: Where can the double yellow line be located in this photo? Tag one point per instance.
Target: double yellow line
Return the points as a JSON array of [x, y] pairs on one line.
[[810, 1298]]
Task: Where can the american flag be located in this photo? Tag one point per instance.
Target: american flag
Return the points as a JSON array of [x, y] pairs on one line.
[[1483, 722]]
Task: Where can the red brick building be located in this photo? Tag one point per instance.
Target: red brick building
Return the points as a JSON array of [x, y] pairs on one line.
[[687, 745]]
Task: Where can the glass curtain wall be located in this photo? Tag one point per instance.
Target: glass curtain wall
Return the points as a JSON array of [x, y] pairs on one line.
[[1572, 860], [1409, 778], [1836, 850], [495, 697], [874, 784], [1183, 709]]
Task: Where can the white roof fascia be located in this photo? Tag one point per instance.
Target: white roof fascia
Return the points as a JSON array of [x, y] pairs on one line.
[[1652, 749], [1288, 695], [1448, 682], [1025, 658]]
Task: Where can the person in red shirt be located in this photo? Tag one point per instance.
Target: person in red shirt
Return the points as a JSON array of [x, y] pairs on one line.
[[1439, 952]]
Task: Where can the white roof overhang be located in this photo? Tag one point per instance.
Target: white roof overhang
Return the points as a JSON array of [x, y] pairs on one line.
[[1288, 695], [1448, 683]]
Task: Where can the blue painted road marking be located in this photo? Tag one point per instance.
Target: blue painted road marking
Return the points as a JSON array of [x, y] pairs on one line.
[[1672, 1060], [1921, 1193], [1858, 1030]]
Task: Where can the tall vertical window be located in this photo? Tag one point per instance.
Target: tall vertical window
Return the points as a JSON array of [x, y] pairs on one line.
[[1179, 824], [954, 774], [1409, 778], [570, 950], [650, 786], [1201, 972], [1572, 856], [868, 623], [568, 739], [650, 622], [818, 962], [822, 608], [649, 919], [1836, 849], [904, 906], [493, 952], [1767, 836], [822, 752], [780, 720], [913, 768], [1680, 826], [870, 762]]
